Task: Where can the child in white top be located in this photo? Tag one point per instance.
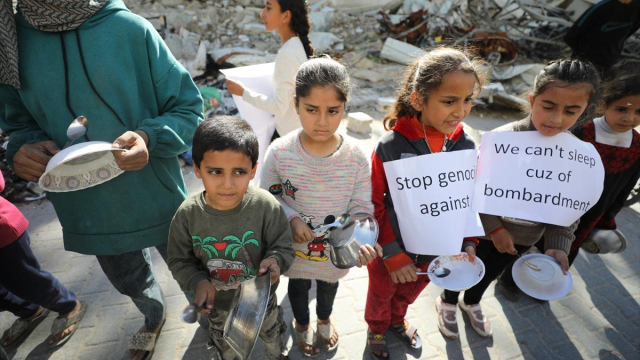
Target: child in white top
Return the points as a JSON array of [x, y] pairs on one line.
[[290, 18]]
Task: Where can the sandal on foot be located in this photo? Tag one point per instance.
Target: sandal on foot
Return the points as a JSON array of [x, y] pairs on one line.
[[21, 327], [377, 344], [306, 339], [61, 323], [407, 333], [145, 341], [326, 332]]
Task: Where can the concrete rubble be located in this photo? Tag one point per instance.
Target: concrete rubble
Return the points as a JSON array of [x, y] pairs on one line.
[[374, 38]]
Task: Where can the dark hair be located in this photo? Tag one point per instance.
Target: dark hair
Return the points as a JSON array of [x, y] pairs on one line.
[[323, 72], [426, 74], [567, 73], [299, 22], [224, 133], [623, 79]]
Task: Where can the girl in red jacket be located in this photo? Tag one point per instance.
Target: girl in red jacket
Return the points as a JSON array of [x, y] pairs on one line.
[[435, 97]]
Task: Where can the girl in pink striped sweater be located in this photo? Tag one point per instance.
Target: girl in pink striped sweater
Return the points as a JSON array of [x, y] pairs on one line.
[[317, 175]]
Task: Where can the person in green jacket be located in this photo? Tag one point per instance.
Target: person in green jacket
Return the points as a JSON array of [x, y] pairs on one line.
[[95, 58]]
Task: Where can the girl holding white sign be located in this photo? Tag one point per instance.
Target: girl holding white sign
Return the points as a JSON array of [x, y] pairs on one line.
[[435, 98], [614, 137], [290, 19], [561, 93]]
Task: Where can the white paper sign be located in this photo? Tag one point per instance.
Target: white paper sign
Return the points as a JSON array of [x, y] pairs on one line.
[[432, 198], [259, 79], [526, 175]]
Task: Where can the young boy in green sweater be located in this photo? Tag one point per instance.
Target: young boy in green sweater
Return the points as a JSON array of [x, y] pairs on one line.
[[230, 232]]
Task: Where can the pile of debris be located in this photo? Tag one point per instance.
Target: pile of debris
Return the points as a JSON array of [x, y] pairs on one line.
[[374, 38]]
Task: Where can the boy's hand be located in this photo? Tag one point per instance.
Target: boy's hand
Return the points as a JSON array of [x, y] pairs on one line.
[[367, 253], [561, 257], [31, 160], [503, 241], [271, 265], [405, 274], [300, 230], [136, 155], [234, 87], [205, 293], [471, 251]]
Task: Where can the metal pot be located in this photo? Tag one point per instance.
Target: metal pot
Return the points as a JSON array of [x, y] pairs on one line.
[[361, 229], [602, 241], [248, 308]]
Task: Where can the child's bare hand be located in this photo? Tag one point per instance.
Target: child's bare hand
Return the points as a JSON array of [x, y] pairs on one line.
[[471, 251], [561, 257], [503, 241], [367, 253], [136, 155], [234, 87], [405, 274], [205, 293], [300, 230], [271, 265]]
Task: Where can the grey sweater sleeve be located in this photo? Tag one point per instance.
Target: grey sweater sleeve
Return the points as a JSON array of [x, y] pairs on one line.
[[560, 237], [279, 238], [490, 223], [183, 263]]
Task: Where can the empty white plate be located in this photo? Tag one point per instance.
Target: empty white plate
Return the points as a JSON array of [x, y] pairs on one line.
[[464, 273], [547, 284]]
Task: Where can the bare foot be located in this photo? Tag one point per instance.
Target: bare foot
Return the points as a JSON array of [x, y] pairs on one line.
[[139, 354], [56, 338], [6, 340], [334, 338]]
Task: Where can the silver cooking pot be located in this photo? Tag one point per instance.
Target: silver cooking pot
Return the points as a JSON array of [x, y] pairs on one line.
[[602, 241], [361, 229], [248, 308]]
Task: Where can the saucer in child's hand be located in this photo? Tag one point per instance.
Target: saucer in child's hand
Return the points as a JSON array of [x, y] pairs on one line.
[[547, 284], [464, 272]]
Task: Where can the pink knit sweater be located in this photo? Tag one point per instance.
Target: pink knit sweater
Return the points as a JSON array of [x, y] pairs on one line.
[[317, 190]]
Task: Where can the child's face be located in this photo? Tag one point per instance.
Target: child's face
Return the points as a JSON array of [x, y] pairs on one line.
[[320, 113], [272, 15], [226, 176], [624, 114], [447, 105], [558, 108]]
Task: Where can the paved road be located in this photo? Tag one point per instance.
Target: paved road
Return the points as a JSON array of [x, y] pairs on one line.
[[599, 319]]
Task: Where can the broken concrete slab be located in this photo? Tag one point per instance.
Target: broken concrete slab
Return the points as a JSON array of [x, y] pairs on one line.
[[359, 122], [400, 52], [369, 75]]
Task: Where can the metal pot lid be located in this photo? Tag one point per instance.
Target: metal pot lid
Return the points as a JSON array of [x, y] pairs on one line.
[[361, 226]]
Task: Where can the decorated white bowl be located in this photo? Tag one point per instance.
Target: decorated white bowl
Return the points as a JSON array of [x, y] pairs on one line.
[[80, 167], [464, 272]]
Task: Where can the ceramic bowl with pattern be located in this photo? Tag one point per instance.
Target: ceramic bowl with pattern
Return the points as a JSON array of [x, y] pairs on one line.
[[79, 167], [464, 272]]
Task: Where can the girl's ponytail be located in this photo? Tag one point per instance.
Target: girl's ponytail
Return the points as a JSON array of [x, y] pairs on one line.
[[299, 22]]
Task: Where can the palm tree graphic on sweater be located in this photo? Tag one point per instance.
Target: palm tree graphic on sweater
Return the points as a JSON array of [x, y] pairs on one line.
[[223, 272]]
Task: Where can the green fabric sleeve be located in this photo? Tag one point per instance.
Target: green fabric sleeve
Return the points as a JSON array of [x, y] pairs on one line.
[[183, 263], [279, 238], [178, 100], [17, 122]]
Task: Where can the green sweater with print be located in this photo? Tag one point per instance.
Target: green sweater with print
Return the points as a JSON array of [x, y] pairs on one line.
[[135, 74], [227, 246]]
